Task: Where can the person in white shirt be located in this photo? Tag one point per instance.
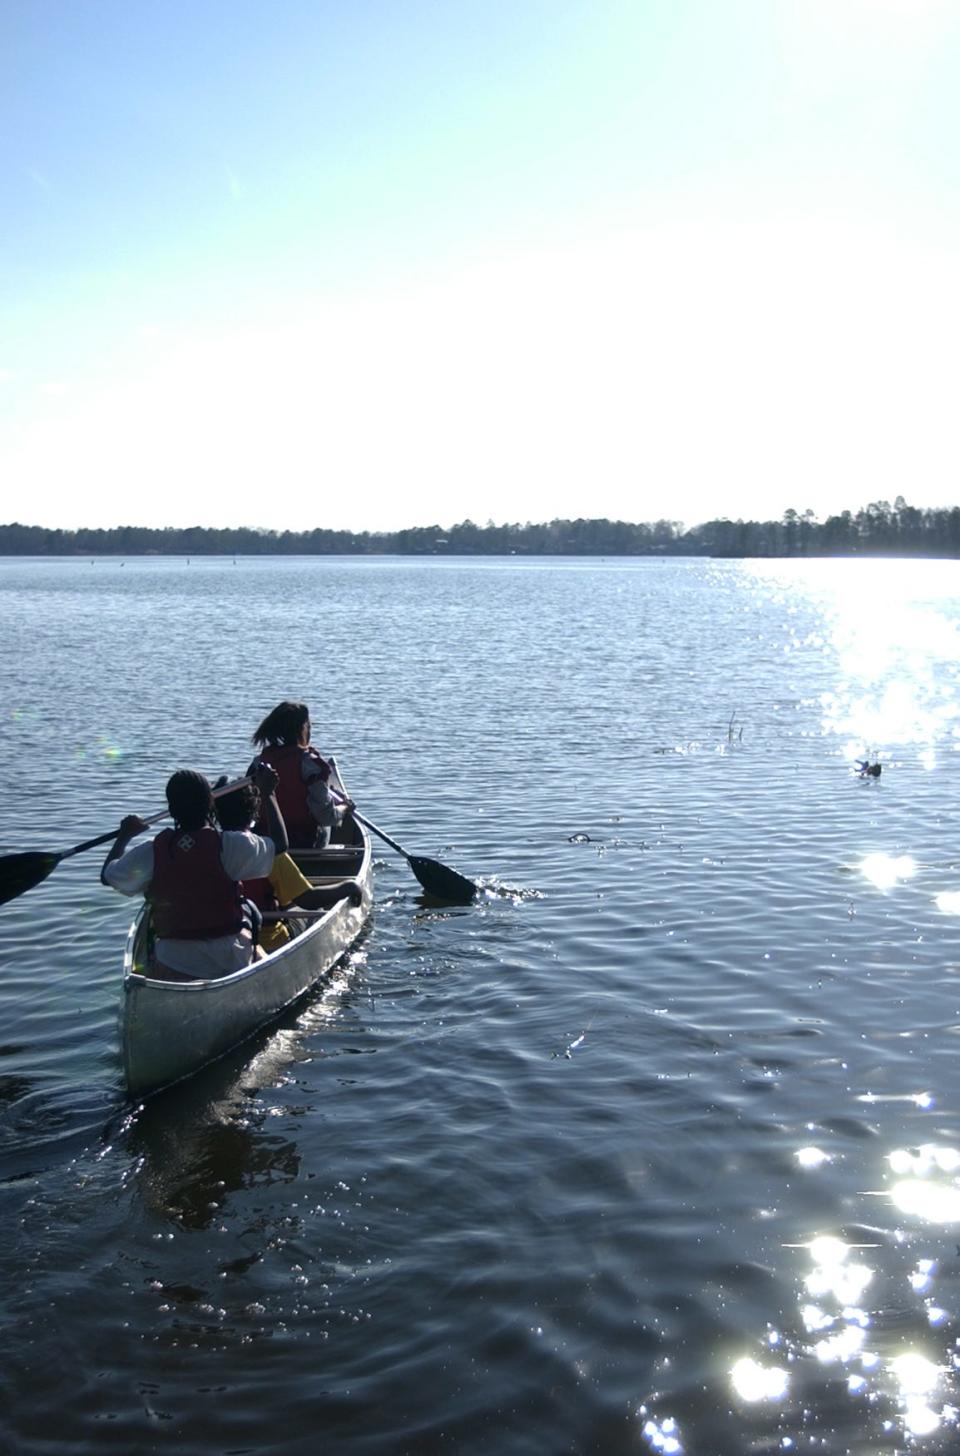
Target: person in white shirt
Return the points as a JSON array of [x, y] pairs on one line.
[[192, 873]]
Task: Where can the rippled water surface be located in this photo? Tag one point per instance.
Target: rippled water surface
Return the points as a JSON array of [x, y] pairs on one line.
[[654, 1149]]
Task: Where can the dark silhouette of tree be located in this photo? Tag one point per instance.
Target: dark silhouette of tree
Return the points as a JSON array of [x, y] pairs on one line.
[[876, 529]]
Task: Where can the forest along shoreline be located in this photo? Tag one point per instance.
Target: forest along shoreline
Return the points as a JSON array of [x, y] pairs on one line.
[[878, 529]]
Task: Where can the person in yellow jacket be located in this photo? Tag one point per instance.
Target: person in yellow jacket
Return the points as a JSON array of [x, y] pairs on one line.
[[284, 885]]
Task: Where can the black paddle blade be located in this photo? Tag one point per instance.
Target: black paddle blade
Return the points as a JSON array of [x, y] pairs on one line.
[[20, 872], [442, 882]]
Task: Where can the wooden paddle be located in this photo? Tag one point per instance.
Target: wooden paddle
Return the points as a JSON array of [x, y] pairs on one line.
[[20, 872], [439, 881]]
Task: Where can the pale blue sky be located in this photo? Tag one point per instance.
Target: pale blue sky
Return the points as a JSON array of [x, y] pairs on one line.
[[373, 265]]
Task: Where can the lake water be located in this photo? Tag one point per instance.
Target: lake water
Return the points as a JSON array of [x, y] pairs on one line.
[[654, 1149]]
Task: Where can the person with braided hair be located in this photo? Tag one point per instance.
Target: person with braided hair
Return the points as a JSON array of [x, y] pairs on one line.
[[192, 876]]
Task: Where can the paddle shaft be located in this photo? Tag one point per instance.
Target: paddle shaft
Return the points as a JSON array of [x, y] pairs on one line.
[[107, 838]]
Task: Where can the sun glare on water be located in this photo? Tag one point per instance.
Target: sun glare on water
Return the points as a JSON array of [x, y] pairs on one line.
[[928, 1183], [885, 870], [753, 1381]]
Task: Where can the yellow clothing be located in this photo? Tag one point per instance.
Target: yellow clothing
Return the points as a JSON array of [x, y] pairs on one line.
[[273, 936], [287, 881], [288, 885]]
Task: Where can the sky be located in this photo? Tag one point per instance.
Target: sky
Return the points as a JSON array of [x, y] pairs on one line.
[[384, 263]]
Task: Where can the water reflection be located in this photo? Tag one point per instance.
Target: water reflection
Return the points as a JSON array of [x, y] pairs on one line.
[[812, 1157], [752, 1381], [190, 1155], [885, 871], [836, 1284], [851, 1325], [921, 1188], [204, 1138], [896, 648], [918, 1380], [662, 1435], [841, 1327]]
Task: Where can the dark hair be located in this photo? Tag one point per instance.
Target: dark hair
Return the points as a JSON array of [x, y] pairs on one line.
[[239, 809], [282, 726], [189, 799]]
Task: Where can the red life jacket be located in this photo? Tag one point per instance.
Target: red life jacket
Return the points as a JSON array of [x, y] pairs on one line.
[[286, 761], [192, 895]]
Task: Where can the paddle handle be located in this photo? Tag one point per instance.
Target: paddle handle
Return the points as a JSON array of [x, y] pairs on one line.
[[154, 819]]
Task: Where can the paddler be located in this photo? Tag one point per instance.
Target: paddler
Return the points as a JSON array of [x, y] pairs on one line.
[[309, 809], [285, 885], [192, 875]]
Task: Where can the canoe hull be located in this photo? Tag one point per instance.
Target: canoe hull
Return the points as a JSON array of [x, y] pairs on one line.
[[170, 1029]]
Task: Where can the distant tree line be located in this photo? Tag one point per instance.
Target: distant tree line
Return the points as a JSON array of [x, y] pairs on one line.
[[878, 529]]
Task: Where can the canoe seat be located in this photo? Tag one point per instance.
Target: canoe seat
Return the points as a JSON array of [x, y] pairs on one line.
[[337, 863]]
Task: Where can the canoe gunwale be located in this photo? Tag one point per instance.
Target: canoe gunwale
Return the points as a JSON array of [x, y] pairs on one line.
[[217, 983]]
